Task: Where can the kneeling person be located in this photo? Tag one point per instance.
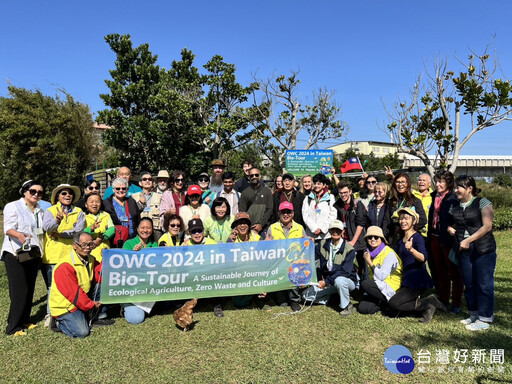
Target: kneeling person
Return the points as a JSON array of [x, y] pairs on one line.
[[335, 266], [72, 280]]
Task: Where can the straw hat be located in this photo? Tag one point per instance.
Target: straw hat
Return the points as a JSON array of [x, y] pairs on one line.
[[410, 212], [375, 231], [241, 216], [75, 189]]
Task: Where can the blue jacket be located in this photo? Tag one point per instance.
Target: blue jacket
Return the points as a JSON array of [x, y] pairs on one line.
[[343, 264]]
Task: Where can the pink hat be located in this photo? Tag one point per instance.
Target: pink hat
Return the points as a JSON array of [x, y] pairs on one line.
[[194, 190], [286, 205]]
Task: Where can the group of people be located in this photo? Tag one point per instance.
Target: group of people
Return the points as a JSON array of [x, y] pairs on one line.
[[376, 242]]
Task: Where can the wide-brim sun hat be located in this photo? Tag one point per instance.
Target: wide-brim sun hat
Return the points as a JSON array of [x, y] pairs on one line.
[[375, 231], [410, 212], [74, 188], [240, 217]]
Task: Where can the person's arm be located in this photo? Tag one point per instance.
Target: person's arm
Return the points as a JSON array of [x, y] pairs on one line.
[[67, 284], [50, 224], [389, 264], [416, 245], [360, 223], [242, 204], [111, 229], [79, 226], [345, 269], [418, 206], [487, 219], [167, 204], [269, 202]]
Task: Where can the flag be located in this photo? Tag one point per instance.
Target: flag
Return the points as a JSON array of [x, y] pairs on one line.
[[350, 164]]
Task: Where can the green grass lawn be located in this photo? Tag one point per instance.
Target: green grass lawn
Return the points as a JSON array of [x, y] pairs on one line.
[[254, 346]]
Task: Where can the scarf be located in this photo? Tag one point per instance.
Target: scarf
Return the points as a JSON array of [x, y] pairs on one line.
[[376, 251], [437, 207]]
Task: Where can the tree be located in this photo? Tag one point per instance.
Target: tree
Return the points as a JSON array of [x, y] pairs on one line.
[[278, 114], [446, 110], [176, 118], [45, 138]]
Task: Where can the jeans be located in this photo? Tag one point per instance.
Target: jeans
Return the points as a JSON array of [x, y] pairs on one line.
[[133, 314], [47, 271], [478, 274], [342, 286], [73, 324]]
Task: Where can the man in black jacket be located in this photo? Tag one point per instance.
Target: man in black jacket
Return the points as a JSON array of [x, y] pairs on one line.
[[290, 195], [353, 215]]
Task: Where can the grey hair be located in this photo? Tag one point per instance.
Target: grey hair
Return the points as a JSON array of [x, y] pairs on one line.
[[77, 236], [119, 181]]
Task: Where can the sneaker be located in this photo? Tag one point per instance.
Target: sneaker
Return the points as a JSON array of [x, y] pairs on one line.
[[428, 314], [477, 326], [432, 299], [217, 311], [47, 320], [30, 326], [21, 332], [295, 306], [348, 310], [102, 322], [469, 320]]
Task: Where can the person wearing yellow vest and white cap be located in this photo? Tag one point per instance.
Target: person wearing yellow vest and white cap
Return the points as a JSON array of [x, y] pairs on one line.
[[60, 222], [72, 280], [287, 228], [337, 273], [385, 268]]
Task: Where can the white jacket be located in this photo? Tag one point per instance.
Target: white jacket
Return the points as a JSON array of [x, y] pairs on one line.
[[318, 216]]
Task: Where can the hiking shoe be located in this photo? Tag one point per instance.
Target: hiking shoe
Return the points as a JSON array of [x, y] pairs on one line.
[[295, 306], [455, 310], [469, 320], [21, 332], [477, 326], [217, 311], [432, 299], [30, 326], [428, 314], [102, 322], [348, 310]]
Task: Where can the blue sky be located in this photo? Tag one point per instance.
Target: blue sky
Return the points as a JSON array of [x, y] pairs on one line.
[[364, 50]]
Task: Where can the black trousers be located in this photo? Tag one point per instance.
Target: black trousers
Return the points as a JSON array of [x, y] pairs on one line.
[[374, 301], [22, 282], [406, 300]]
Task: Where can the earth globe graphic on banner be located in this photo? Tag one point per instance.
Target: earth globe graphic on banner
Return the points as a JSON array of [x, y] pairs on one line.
[[301, 270]]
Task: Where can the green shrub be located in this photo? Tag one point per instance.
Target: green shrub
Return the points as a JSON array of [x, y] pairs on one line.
[[500, 197], [502, 219], [503, 180]]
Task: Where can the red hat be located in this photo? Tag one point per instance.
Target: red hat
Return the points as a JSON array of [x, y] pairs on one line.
[[194, 190], [286, 205]]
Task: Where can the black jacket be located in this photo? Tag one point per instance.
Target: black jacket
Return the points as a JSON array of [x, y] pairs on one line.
[[296, 200], [132, 208], [354, 217], [444, 218]]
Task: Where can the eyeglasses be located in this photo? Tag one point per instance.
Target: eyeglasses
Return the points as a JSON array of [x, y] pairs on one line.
[[204, 180], [85, 245], [178, 181], [371, 182], [97, 188], [195, 231], [373, 237], [121, 189], [254, 175], [175, 225], [147, 179], [403, 182], [65, 193], [34, 192]]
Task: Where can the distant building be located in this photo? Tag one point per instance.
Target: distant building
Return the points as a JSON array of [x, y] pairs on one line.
[[379, 148]]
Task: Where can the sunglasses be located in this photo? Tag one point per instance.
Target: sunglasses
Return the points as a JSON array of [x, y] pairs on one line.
[[203, 180], [178, 181], [373, 237], [286, 212], [65, 193], [121, 189], [175, 225], [254, 175], [34, 192], [195, 231], [371, 182], [147, 179]]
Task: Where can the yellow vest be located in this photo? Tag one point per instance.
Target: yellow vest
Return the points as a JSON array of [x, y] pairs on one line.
[[55, 250], [427, 202], [90, 219], [277, 232], [252, 237], [59, 305], [394, 280], [167, 239]]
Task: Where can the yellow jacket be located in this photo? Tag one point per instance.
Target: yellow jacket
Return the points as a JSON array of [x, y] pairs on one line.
[[277, 232]]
